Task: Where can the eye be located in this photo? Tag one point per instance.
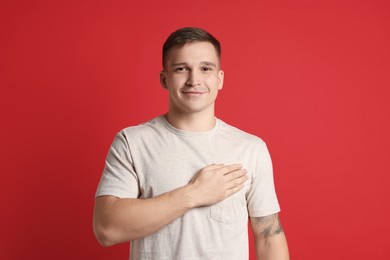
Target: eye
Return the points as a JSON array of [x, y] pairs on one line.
[[207, 69], [181, 69]]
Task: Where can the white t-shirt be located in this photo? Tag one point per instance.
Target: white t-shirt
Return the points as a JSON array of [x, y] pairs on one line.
[[153, 158]]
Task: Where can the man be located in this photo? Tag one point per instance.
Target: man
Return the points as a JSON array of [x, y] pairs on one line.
[[180, 186]]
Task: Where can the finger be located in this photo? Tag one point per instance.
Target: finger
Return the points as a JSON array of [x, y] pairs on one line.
[[237, 182], [235, 174], [230, 168], [234, 190]]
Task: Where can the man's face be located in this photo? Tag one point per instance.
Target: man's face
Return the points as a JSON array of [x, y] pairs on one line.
[[193, 77]]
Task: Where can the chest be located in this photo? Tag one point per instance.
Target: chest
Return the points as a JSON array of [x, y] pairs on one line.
[[169, 162]]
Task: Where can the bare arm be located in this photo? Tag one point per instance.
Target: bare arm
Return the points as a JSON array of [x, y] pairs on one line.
[[120, 220], [270, 240]]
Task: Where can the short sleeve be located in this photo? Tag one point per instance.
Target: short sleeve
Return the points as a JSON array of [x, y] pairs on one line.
[[261, 198], [119, 177]]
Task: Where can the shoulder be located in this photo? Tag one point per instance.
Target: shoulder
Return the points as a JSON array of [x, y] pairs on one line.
[[240, 135], [138, 133], [149, 127]]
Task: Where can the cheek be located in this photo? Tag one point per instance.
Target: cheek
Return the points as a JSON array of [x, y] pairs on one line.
[[213, 84], [176, 81]]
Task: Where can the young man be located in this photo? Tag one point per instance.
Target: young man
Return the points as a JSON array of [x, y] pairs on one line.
[[181, 185]]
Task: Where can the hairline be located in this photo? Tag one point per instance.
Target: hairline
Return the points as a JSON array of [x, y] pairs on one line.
[[181, 45]]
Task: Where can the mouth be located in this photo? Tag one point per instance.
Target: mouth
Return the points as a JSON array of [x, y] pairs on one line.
[[193, 93]]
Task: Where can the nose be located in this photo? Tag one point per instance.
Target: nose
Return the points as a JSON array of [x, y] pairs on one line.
[[193, 79]]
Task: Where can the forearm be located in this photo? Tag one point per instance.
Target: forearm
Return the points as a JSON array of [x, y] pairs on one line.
[[272, 248], [270, 240], [122, 220]]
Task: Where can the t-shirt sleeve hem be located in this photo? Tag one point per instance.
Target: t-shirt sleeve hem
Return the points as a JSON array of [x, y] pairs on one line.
[[121, 195]]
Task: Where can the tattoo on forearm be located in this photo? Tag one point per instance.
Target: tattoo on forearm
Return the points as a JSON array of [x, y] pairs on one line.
[[270, 225]]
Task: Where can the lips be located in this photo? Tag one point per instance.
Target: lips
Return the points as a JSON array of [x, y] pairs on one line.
[[193, 92]]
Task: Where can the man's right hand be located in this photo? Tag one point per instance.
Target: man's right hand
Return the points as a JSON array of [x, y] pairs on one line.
[[215, 183]]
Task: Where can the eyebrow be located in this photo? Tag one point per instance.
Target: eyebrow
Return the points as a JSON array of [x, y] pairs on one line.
[[207, 63]]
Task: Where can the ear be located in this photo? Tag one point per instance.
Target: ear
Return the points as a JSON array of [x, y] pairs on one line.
[[220, 79], [163, 79]]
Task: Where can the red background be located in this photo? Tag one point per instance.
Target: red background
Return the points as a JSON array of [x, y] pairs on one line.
[[309, 77]]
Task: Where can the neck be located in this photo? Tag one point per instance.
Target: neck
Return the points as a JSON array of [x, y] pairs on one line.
[[196, 122]]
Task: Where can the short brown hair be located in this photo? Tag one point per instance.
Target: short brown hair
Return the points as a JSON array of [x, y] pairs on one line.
[[187, 35]]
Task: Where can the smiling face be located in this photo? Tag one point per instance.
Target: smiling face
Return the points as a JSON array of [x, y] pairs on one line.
[[192, 77]]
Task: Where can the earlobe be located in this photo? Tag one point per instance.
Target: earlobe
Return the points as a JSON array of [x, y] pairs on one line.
[[163, 80], [220, 79]]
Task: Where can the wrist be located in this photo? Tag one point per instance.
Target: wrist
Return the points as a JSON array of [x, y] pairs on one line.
[[188, 197]]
